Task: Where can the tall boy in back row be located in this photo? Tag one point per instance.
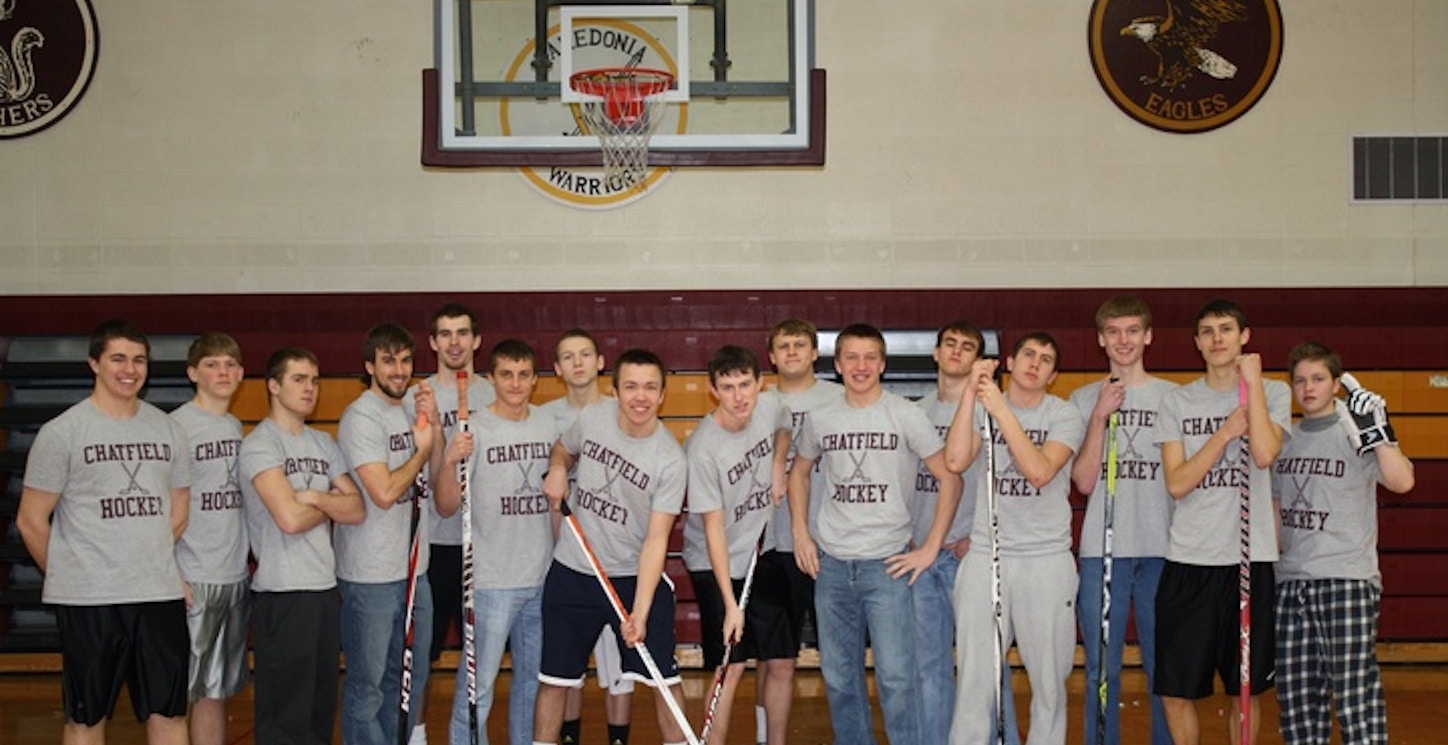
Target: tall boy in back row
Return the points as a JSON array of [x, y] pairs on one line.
[[1141, 512], [1200, 431], [1329, 589], [454, 337]]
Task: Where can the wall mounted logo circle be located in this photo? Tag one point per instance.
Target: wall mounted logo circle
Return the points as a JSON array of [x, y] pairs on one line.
[[1185, 66], [48, 52], [600, 43]]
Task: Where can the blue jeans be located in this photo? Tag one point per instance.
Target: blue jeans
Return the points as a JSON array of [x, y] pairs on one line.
[[501, 618], [935, 630], [853, 598], [373, 618], [1133, 586]]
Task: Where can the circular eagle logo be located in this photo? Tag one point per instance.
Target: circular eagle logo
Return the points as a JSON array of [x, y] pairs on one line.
[[47, 57], [1185, 66]]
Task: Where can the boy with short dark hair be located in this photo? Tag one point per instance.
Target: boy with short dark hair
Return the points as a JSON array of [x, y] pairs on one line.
[[294, 487], [1036, 435], [629, 489], [114, 472], [736, 476], [1200, 430]]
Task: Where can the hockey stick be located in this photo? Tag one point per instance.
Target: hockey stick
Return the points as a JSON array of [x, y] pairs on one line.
[[470, 652], [718, 688], [623, 617], [1108, 518], [1244, 583], [404, 728], [992, 505]]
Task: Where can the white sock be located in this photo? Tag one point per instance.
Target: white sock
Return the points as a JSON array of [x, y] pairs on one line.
[[761, 724], [419, 735]]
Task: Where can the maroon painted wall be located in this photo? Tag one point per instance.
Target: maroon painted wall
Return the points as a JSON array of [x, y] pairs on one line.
[[1373, 328]]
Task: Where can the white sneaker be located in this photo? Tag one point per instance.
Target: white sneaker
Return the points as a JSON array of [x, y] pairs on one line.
[[419, 735]]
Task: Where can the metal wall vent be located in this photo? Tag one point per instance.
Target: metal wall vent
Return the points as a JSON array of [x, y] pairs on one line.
[[1400, 168]]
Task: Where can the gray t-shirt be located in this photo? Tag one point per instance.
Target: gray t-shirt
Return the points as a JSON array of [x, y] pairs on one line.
[[110, 535], [781, 537], [512, 526], [620, 481], [927, 487], [1142, 513], [733, 472], [309, 460], [1204, 523], [869, 457], [378, 549], [448, 531], [213, 548], [1033, 522], [1329, 506]]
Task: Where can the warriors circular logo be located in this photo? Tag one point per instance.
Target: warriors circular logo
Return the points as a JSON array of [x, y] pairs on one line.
[[600, 42], [1185, 66], [47, 56]]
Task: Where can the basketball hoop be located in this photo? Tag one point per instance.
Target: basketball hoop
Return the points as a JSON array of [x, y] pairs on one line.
[[623, 108]]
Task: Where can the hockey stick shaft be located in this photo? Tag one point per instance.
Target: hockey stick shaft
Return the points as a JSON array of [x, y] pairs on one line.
[[717, 689], [470, 653], [1108, 519], [623, 618], [404, 728], [1244, 582], [992, 505]]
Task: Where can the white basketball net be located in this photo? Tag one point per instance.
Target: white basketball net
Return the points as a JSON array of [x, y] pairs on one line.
[[623, 118]]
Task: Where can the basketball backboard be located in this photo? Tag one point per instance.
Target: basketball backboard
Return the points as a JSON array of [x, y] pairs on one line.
[[746, 90]]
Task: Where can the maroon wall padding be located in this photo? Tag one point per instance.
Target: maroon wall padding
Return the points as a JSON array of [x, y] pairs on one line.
[[1374, 328]]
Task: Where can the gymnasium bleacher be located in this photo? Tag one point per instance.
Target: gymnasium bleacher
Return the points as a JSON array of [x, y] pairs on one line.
[[1394, 340]]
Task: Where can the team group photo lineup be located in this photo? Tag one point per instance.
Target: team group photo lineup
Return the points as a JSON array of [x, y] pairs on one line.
[[923, 547]]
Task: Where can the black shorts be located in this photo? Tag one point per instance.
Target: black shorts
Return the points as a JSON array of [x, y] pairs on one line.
[[445, 575], [800, 605], [144, 645], [768, 633], [1198, 629], [575, 610]]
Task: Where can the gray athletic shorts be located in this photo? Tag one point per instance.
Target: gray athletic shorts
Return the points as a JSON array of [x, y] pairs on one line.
[[217, 621]]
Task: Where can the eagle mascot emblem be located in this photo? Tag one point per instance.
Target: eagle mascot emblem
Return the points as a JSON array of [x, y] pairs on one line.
[[1179, 39]]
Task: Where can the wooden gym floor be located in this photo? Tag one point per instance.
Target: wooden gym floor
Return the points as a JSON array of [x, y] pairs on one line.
[[30, 710]]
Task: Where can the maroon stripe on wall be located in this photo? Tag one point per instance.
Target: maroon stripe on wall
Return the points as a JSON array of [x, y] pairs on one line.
[[1374, 328]]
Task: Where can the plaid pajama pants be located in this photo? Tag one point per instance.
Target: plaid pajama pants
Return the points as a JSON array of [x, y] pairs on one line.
[[1326, 631]]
